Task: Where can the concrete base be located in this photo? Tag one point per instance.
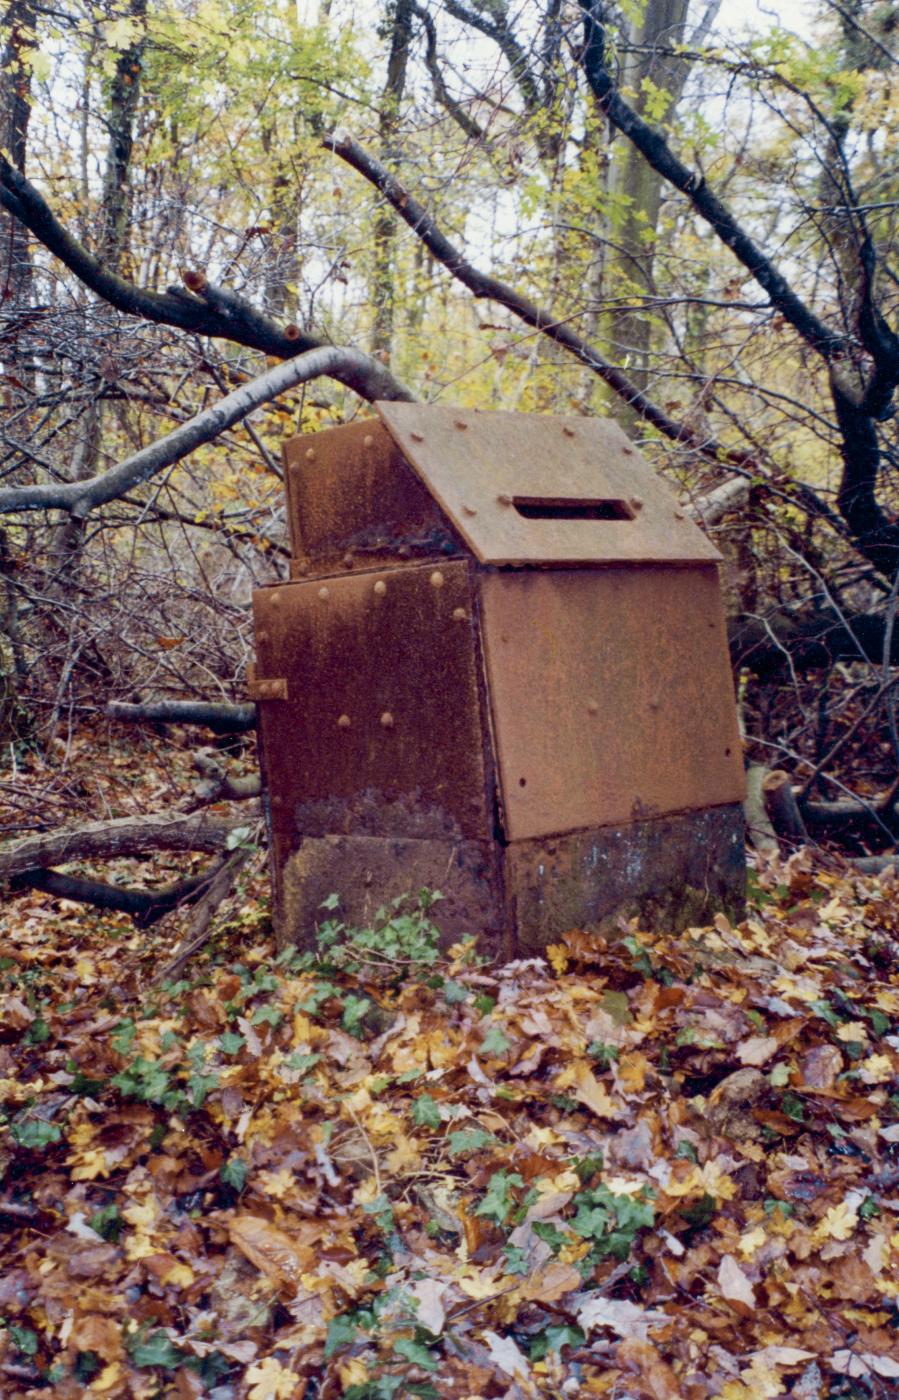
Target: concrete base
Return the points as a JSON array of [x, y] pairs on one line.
[[669, 871]]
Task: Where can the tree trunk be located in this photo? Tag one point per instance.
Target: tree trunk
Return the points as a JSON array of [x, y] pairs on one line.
[[399, 19]]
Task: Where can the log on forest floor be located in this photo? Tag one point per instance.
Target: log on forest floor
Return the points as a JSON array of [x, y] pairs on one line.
[[29, 863]]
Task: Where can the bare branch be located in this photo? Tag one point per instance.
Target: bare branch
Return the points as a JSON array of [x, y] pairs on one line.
[[205, 310], [351, 367], [656, 151]]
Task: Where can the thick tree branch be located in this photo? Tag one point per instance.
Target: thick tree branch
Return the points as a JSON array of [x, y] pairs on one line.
[[221, 718], [210, 311], [124, 836], [145, 906], [351, 367], [656, 151]]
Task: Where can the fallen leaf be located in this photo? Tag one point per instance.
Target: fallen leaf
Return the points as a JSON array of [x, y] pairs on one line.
[[734, 1284]]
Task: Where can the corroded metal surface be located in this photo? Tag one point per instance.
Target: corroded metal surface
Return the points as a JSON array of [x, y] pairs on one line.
[[368, 871], [611, 696], [382, 733], [671, 873], [527, 489], [354, 503]]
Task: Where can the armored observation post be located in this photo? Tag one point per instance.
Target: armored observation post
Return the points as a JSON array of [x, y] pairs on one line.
[[499, 669]]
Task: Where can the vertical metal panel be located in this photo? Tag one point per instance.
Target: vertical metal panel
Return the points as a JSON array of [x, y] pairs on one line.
[[382, 733], [354, 503], [611, 696]]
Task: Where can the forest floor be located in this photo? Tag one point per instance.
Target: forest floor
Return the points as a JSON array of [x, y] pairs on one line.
[[655, 1166]]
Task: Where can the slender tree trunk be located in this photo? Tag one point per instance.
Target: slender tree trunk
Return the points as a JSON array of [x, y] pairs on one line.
[[399, 20], [17, 23], [636, 190]]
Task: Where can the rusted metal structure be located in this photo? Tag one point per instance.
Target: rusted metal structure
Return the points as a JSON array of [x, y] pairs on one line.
[[500, 670]]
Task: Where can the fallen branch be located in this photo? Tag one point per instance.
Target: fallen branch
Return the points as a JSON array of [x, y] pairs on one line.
[[144, 906], [220, 786], [760, 831], [358, 371], [782, 808], [124, 836], [221, 718], [218, 889]]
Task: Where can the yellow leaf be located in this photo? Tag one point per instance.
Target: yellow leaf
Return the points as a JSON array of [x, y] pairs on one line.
[[838, 1223], [90, 1165], [179, 1276], [853, 1030], [110, 1375], [876, 1069], [630, 1073], [595, 1095], [557, 954], [476, 1286], [752, 1241], [269, 1380], [86, 971], [352, 1372]]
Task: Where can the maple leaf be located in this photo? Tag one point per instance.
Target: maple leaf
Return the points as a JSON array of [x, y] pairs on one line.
[[269, 1380]]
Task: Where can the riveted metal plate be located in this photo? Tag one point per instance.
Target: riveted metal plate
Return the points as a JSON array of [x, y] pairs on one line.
[[354, 502], [611, 696], [528, 489], [383, 730]]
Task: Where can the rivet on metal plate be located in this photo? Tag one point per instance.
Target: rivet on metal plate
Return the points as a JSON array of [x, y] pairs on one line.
[[310, 454], [302, 567], [387, 720], [262, 636], [404, 551], [324, 594], [274, 599], [592, 707], [437, 579], [276, 801], [368, 440], [344, 722], [380, 588], [459, 614], [347, 560]]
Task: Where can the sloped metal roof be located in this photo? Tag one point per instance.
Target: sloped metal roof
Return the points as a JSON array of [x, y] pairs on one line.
[[532, 489]]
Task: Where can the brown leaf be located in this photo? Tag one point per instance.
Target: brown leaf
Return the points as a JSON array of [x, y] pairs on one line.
[[655, 1377], [551, 1282], [281, 1257]]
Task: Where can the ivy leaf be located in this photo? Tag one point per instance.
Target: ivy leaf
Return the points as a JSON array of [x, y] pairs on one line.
[[156, 1350], [234, 1173], [425, 1112], [466, 1140], [35, 1133], [495, 1042], [416, 1353]]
